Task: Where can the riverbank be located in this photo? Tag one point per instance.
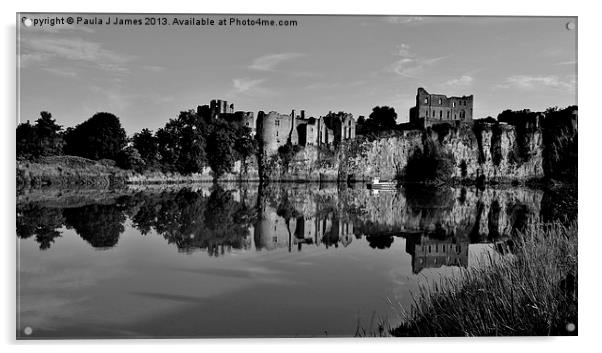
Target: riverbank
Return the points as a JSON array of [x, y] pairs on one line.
[[532, 291], [76, 172]]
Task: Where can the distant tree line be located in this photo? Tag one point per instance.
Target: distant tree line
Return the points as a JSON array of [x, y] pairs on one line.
[[185, 145]]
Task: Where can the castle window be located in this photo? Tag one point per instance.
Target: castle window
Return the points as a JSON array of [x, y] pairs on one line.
[[440, 101], [448, 114], [440, 114], [454, 104], [276, 133], [427, 113], [277, 123], [426, 100]]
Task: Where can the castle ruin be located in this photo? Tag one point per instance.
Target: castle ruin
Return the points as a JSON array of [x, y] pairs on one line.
[[276, 130], [220, 109], [432, 109]]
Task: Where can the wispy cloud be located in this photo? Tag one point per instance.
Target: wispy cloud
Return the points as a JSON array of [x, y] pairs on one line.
[[269, 62], [527, 82], [73, 49], [64, 72], [410, 64], [413, 67], [464, 80], [243, 85]]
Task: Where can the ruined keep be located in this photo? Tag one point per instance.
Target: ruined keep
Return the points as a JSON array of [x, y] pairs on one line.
[[273, 130], [432, 109]]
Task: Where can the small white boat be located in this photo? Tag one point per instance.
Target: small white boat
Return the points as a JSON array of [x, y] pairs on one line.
[[376, 184]]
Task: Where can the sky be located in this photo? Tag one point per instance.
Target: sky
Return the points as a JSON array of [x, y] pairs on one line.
[[146, 75]]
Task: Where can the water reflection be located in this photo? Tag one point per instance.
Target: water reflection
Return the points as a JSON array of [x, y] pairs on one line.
[[437, 223]]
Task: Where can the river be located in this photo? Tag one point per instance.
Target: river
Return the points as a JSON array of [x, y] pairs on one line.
[[283, 260]]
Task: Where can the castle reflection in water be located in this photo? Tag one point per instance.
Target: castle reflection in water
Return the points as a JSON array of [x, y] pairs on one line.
[[438, 224]]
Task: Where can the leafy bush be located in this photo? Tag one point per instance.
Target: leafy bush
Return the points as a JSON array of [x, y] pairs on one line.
[[130, 159], [429, 165], [287, 152]]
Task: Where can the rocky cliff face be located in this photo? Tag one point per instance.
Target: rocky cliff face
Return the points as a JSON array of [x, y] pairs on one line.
[[489, 153]]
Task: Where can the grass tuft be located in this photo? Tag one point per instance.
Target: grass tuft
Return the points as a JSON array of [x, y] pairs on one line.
[[532, 291]]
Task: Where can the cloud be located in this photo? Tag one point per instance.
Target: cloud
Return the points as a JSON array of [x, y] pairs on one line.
[[242, 85], [413, 67], [526, 82], [73, 49], [269, 62], [409, 64], [464, 80], [65, 72], [26, 60]]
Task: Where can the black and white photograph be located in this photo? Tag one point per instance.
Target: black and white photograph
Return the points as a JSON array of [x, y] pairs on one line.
[[227, 175]]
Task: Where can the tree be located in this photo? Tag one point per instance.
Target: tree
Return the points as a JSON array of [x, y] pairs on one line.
[[181, 143], [361, 125], [49, 139], [26, 137], [99, 137], [245, 144], [220, 151], [381, 119], [42, 139], [129, 158], [147, 146]]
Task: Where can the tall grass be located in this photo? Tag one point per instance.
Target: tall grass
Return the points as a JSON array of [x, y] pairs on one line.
[[532, 291]]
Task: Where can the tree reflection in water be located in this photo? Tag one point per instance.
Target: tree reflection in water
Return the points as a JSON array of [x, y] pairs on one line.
[[438, 224]]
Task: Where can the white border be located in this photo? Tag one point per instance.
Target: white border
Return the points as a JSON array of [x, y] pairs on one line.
[[590, 141]]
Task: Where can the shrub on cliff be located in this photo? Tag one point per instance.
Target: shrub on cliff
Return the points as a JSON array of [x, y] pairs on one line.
[[442, 130], [560, 143], [287, 152], [430, 165], [99, 137]]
